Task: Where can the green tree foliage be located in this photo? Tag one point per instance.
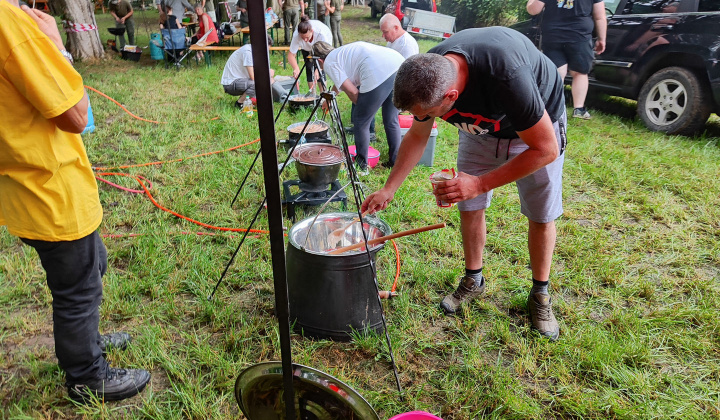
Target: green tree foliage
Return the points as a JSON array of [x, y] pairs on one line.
[[479, 13]]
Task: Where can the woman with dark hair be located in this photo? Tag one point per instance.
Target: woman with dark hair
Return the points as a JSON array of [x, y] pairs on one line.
[[307, 34], [366, 73]]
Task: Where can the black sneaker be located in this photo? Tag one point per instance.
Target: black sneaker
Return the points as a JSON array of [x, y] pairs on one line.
[[542, 316], [118, 340], [373, 137], [468, 289], [117, 384], [348, 129]]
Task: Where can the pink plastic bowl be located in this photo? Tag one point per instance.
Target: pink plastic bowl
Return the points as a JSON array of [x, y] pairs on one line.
[[416, 415], [373, 155]]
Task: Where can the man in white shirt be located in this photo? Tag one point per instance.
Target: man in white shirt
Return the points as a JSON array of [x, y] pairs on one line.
[[366, 73], [398, 39], [238, 78]]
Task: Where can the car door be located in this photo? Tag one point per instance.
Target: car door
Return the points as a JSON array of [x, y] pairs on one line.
[[635, 28]]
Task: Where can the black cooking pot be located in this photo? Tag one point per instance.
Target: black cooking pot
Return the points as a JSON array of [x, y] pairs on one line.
[[297, 101], [333, 295], [316, 135], [117, 31]]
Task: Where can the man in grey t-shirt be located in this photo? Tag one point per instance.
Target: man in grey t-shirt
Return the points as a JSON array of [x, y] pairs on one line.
[[506, 99]]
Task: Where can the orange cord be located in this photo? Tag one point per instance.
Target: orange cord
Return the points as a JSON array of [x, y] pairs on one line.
[[165, 209], [105, 168], [397, 266], [133, 115]]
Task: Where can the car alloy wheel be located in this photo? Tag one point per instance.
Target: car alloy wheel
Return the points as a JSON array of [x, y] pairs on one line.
[[666, 102], [674, 100]]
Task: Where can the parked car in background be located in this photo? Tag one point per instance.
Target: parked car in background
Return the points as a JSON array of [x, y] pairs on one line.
[[397, 7], [663, 53]]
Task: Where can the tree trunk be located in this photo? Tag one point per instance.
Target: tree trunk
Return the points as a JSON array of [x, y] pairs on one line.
[[85, 44]]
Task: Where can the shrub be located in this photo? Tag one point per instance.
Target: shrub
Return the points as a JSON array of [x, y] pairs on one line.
[[479, 13]]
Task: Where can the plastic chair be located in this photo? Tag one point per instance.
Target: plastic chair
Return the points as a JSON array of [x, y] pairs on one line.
[[175, 46]]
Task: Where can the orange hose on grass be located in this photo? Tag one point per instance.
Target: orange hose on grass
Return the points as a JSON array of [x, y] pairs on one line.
[[165, 209], [133, 115], [139, 165]]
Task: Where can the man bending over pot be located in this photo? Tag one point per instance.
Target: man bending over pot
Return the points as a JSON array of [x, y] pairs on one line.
[[506, 99]]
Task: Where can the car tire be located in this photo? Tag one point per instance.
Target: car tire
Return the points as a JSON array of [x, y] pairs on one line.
[[675, 100]]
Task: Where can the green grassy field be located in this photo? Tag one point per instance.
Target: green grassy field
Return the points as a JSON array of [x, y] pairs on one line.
[[635, 277]]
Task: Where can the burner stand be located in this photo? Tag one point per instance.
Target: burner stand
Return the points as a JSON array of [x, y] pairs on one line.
[[310, 198]]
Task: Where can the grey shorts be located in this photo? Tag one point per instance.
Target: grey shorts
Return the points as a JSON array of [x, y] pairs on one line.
[[240, 87], [540, 192]]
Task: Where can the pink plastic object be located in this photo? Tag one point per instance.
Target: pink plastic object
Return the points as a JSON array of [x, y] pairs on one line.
[[407, 120], [416, 415], [373, 155]]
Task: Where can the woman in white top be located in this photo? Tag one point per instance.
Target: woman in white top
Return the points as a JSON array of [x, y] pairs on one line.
[[307, 34], [366, 73]]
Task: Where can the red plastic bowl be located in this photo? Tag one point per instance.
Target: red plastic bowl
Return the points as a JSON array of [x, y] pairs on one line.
[[373, 155], [416, 415]]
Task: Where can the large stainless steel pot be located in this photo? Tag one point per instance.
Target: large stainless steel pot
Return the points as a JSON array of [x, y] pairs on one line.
[[318, 164], [332, 295]]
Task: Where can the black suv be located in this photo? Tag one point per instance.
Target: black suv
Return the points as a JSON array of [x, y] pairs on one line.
[[663, 53]]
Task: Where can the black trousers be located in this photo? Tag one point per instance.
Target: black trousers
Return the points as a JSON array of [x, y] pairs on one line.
[[309, 66], [74, 275]]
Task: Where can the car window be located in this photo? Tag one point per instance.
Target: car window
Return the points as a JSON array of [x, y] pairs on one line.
[[612, 5], [644, 7], [709, 6]]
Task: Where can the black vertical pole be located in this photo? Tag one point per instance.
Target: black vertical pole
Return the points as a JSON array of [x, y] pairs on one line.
[[261, 64]]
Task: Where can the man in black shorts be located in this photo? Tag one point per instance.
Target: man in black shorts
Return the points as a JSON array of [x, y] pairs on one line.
[[567, 39], [506, 99]]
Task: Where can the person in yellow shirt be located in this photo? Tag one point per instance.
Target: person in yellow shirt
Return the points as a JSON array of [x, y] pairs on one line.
[[49, 196]]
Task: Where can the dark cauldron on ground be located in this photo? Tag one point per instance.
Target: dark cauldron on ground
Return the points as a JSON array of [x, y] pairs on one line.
[[332, 295]]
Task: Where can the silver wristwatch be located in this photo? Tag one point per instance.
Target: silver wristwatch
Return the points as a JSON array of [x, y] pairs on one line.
[[67, 55]]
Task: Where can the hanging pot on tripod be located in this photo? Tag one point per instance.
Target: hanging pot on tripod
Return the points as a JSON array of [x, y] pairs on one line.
[[333, 295], [316, 132], [297, 101], [317, 164]]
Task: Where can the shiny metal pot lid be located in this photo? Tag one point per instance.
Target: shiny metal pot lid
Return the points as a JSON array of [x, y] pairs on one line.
[[318, 396], [313, 235], [318, 154]]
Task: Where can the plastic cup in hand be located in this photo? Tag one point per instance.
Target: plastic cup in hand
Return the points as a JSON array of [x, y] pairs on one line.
[[440, 177]]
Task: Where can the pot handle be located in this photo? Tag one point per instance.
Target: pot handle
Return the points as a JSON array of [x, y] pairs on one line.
[[387, 238]]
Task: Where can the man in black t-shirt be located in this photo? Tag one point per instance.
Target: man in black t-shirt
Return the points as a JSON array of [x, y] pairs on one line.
[[567, 40], [506, 99]]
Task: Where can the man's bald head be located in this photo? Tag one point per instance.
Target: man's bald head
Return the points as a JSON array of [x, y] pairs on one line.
[[390, 27]]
